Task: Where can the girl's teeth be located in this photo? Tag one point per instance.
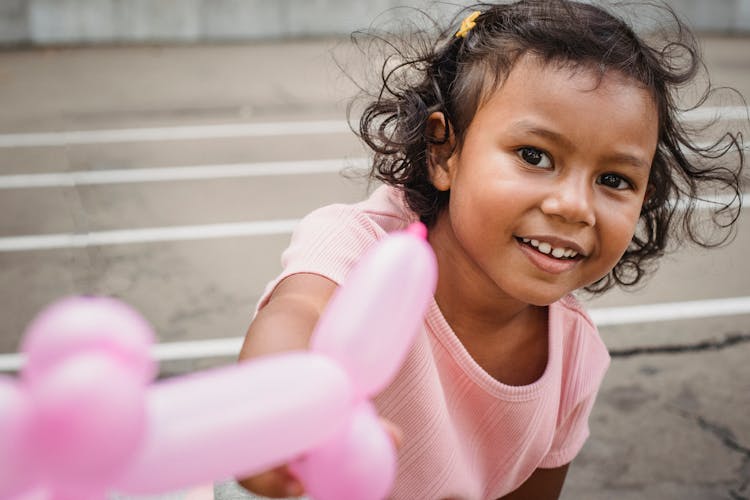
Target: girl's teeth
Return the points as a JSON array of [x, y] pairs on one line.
[[547, 249]]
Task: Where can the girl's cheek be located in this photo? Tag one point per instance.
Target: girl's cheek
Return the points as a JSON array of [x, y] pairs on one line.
[[621, 230], [524, 188]]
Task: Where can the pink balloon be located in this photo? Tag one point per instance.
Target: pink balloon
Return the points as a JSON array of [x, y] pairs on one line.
[[38, 493], [16, 475], [89, 420], [83, 323], [238, 420], [93, 425], [358, 463], [371, 321]]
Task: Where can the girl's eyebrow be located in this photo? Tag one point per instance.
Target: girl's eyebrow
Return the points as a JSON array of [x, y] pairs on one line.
[[530, 127], [630, 159]]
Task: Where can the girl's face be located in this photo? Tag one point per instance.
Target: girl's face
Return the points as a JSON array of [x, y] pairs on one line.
[[547, 187]]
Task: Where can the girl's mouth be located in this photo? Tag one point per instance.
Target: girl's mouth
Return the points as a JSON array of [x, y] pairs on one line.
[[560, 253], [548, 258]]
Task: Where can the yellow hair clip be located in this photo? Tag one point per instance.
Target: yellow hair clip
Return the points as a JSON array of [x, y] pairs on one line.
[[467, 24]]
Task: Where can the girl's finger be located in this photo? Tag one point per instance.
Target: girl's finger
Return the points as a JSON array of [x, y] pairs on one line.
[[275, 483], [397, 435]]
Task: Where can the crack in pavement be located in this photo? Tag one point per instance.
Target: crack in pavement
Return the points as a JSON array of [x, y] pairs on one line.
[[742, 491], [729, 340], [739, 488], [728, 439], [725, 435]]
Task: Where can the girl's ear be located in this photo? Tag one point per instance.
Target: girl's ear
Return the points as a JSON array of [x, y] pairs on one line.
[[439, 151]]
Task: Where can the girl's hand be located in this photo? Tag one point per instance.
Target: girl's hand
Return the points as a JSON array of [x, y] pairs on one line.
[[281, 483], [274, 483]]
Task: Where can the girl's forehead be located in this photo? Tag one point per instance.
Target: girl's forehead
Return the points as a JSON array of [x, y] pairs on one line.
[[533, 81], [575, 102]]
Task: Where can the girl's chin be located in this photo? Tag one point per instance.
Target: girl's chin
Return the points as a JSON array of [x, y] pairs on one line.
[[543, 296]]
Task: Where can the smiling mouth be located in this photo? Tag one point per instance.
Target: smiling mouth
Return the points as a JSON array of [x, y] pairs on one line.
[[559, 253]]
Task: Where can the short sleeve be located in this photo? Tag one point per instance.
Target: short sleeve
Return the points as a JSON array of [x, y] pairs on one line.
[[570, 436], [585, 362], [327, 242]]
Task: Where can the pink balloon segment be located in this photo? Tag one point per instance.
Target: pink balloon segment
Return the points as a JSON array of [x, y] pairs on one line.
[[86, 418]]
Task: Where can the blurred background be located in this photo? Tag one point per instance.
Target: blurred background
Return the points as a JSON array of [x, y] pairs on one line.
[[161, 152]]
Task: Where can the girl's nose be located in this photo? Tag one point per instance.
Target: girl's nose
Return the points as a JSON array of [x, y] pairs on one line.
[[572, 200]]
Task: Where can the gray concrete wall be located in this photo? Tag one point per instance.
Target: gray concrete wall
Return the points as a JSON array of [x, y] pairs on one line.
[[44, 22]]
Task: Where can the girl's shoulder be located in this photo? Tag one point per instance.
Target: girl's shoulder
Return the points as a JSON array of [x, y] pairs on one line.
[[382, 212], [387, 208], [331, 239], [584, 354], [571, 308]]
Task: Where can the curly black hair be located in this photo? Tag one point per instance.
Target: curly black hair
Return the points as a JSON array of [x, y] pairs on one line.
[[453, 75]]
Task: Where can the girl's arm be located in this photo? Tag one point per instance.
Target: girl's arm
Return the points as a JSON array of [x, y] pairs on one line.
[[287, 320], [544, 484], [285, 323]]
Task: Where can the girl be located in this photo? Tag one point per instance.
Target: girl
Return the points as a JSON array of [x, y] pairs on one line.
[[540, 145]]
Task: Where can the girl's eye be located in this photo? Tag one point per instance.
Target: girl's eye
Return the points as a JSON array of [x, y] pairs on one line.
[[614, 181], [535, 157]]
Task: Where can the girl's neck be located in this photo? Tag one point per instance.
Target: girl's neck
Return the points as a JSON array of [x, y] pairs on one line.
[[468, 299], [508, 339], [472, 311]]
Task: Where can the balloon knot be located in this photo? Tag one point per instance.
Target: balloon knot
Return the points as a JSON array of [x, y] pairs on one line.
[[417, 229]]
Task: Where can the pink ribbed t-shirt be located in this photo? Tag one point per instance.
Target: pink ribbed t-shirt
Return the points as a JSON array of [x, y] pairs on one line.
[[466, 435]]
